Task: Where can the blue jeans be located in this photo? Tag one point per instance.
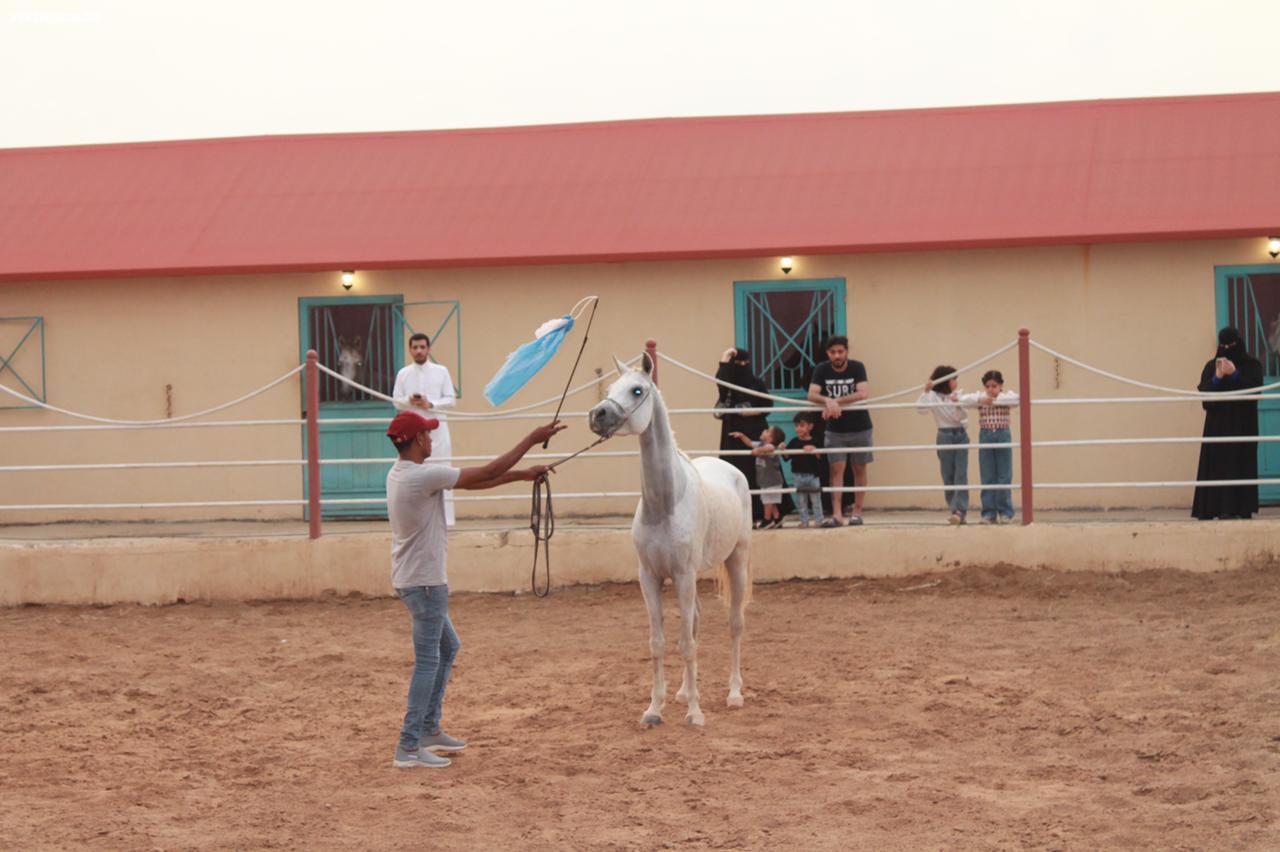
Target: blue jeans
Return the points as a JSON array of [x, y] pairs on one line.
[[809, 497], [955, 468], [997, 469], [435, 645]]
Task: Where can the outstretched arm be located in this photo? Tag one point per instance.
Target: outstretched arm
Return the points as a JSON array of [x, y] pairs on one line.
[[484, 475], [527, 474]]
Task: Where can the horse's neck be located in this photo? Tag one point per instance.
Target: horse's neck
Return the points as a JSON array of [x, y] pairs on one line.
[[662, 475]]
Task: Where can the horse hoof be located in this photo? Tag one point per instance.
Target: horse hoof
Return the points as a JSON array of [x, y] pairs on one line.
[[696, 719], [651, 720], [734, 701]]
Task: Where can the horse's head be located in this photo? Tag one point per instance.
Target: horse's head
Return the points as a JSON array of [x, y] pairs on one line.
[[351, 362], [627, 408]]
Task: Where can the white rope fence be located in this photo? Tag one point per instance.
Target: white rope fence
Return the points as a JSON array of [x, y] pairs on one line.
[[1179, 391], [867, 403], [603, 454], [165, 422], [532, 412], [523, 412]]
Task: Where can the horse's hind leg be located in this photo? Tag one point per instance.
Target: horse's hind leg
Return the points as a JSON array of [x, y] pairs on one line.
[[651, 587], [739, 585]]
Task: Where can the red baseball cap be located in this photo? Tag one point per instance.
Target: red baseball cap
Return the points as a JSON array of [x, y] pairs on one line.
[[406, 425]]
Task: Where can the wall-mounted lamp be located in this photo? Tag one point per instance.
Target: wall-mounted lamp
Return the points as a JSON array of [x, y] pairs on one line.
[[786, 266], [348, 278], [1273, 246]]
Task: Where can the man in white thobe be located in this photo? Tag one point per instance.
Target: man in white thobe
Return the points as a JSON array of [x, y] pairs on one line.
[[426, 388]]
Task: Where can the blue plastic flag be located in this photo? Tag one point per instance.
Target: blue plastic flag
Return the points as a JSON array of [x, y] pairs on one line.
[[522, 364]]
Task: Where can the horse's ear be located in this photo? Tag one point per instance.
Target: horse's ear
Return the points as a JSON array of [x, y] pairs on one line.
[[646, 364], [359, 339], [342, 342], [622, 368]]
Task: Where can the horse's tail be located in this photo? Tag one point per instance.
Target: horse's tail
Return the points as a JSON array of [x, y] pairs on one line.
[[723, 581]]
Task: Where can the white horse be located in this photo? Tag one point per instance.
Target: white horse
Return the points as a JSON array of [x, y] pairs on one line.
[[693, 515]]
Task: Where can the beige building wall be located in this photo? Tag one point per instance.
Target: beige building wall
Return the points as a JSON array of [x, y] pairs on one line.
[[114, 346]]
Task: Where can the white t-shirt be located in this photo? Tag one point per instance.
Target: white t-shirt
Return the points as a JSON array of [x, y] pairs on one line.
[[415, 506]]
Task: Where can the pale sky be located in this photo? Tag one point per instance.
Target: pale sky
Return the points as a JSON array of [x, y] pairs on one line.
[[84, 71]]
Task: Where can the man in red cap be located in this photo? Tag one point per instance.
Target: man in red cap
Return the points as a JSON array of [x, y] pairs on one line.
[[415, 505]]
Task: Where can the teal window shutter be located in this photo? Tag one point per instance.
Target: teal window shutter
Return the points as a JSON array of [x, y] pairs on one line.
[[22, 360], [440, 320]]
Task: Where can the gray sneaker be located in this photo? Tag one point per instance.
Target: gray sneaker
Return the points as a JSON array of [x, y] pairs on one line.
[[421, 757], [441, 742]]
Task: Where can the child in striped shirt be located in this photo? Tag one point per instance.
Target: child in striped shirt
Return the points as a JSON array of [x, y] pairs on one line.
[[995, 465]]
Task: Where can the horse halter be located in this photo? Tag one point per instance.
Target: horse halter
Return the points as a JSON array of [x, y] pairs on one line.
[[627, 412]]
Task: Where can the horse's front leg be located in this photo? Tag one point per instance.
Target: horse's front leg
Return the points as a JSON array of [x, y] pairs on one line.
[[687, 591], [651, 587], [686, 681]]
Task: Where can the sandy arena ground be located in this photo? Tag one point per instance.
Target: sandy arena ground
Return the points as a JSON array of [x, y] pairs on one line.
[[992, 709]]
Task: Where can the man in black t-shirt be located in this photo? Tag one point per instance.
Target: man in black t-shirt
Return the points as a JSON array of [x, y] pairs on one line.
[[837, 382]]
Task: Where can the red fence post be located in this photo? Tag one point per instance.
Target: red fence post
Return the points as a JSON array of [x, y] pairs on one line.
[[651, 349], [313, 441], [1024, 422]]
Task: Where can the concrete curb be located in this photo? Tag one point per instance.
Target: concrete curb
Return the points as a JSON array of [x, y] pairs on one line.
[[163, 571]]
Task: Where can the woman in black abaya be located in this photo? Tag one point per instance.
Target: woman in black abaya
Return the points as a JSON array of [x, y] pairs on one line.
[[735, 368], [1231, 371]]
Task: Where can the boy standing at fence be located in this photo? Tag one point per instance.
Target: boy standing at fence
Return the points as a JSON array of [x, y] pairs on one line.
[[768, 473], [804, 471]]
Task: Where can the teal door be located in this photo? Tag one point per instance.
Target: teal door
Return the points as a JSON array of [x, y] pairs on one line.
[[784, 324], [1248, 297], [361, 338]]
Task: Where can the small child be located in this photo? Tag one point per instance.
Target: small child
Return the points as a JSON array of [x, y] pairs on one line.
[[996, 465], [768, 472], [939, 399], [804, 469]]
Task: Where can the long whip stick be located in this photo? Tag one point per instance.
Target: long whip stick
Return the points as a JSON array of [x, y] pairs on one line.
[[586, 333], [542, 517]]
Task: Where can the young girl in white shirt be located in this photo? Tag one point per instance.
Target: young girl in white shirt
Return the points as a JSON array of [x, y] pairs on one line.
[[995, 465], [940, 399]]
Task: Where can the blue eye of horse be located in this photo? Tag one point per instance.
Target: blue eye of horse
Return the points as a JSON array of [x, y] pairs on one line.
[[636, 391]]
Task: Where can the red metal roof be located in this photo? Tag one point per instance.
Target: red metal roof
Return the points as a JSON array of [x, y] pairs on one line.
[[1090, 171]]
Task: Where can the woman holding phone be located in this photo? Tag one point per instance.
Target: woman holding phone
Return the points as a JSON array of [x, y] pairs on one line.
[[1232, 370]]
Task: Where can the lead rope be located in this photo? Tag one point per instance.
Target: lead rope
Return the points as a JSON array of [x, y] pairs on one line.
[[542, 519]]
